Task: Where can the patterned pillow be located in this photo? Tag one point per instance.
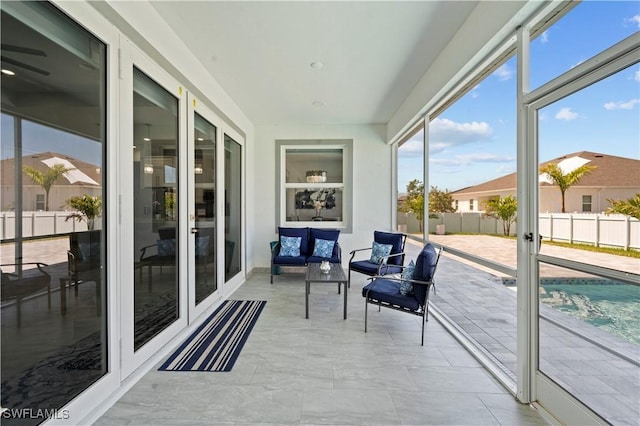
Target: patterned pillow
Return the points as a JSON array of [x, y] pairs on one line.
[[407, 273], [379, 251], [167, 247], [89, 251], [290, 246], [323, 248], [202, 246]]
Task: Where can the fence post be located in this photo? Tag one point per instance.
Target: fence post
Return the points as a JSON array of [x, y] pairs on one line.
[[571, 228], [627, 234], [550, 226], [597, 230]]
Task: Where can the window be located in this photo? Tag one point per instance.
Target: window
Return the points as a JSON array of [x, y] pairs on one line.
[[586, 203], [53, 143], [314, 183], [471, 204], [39, 202], [457, 204]]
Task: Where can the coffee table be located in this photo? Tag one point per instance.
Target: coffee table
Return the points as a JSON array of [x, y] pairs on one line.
[[334, 276]]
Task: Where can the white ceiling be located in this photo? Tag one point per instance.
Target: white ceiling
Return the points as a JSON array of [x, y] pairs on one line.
[[373, 53]]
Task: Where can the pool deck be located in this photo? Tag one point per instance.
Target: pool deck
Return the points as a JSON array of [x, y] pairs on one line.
[[599, 368]]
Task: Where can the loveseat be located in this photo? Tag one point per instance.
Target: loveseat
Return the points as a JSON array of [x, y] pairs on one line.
[[301, 246]]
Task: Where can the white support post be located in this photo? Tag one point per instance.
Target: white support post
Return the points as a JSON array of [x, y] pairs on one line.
[[597, 222]]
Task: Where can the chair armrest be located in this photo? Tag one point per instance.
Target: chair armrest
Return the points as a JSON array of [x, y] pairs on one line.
[[384, 263], [143, 250], [275, 249], [353, 252]]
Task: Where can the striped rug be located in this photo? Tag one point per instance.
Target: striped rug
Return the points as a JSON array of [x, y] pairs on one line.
[[216, 344]]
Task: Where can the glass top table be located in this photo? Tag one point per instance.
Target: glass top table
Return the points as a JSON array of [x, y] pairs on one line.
[[335, 275]]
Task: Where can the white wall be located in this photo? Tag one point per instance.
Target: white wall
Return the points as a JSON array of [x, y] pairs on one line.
[[371, 183]]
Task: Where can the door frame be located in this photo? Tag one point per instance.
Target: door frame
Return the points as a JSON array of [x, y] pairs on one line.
[[130, 57]]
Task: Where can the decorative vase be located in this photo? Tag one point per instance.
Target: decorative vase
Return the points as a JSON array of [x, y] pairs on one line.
[[325, 267]]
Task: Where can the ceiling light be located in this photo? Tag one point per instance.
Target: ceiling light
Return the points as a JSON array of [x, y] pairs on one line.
[[8, 72], [200, 139], [148, 137], [317, 65], [148, 169], [198, 169]]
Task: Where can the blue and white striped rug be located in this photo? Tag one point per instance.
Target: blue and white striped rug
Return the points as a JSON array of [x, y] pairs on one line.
[[216, 344]]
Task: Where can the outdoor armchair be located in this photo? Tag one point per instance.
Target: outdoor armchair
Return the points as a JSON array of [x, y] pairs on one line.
[[30, 282], [407, 293], [388, 264]]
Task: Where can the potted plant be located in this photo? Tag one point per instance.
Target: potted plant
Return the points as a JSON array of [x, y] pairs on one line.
[[87, 209]]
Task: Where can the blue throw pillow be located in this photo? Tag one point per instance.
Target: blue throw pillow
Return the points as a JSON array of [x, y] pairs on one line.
[[407, 274], [290, 246], [202, 246], [167, 247], [323, 248], [89, 251], [379, 251]]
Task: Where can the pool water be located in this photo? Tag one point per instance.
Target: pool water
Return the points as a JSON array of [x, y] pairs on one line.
[[611, 306]]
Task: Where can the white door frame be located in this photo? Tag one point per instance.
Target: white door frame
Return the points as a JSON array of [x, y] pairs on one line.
[[131, 56]]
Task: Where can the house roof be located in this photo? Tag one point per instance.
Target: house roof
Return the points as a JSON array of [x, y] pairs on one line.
[[610, 170], [83, 173]]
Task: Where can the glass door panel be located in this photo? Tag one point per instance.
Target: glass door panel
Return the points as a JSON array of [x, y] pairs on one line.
[[155, 211], [233, 206], [204, 180]]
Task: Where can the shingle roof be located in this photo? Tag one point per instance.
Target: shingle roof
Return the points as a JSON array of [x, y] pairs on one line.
[[610, 171], [35, 161]]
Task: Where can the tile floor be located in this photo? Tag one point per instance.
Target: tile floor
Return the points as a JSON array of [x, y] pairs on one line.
[[326, 370]]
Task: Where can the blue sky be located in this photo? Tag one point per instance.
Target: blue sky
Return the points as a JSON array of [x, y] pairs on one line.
[[475, 139]]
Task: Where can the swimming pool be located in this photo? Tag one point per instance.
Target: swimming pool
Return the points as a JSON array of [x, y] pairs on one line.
[[609, 305]]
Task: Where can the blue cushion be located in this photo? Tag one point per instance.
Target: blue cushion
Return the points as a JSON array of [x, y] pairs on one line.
[[323, 248], [303, 233], [288, 260], [366, 267], [388, 291], [379, 251], [167, 247], [425, 266], [202, 246], [290, 246], [406, 287], [395, 240], [326, 234]]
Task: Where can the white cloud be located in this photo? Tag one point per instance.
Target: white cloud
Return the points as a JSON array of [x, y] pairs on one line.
[[636, 75], [635, 20], [503, 72], [412, 148], [467, 159], [621, 105], [566, 114], [544, 37], [444, 133]]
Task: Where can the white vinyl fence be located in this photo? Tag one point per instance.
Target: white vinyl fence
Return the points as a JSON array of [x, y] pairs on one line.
[[584, 228], [40, 224]]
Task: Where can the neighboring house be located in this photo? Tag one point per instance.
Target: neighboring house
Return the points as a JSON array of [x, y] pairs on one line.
[[82, 179], [614, 178]]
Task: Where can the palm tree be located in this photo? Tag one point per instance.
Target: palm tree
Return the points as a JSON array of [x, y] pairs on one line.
[[554, 172], [47, 179], [630, 207], [504, 209]]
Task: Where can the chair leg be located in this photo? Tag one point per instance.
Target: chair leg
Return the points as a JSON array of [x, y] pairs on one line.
[[366, 305], [424, 319], [349, 277]]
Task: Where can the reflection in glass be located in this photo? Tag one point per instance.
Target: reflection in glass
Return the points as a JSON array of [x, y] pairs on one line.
[[233, 206], [155, 215], [54, 335], [205, 207]]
